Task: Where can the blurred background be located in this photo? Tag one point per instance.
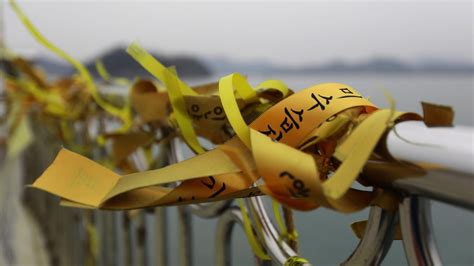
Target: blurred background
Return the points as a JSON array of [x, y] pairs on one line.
[[417, 50]]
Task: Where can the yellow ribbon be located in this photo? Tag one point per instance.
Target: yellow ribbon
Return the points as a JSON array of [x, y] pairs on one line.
[[175, 89], [82, 70], [254, 244]]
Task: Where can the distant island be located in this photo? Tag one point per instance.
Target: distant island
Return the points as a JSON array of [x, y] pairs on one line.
[[119, 63], [374, 65]]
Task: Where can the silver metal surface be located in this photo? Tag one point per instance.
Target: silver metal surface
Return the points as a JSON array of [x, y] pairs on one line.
[[417, 232], [133, 242], [448, 186], [99, 227], [150, 238], [161, 236], [443, 185], [120, 256], [225, 225], [376, 240], [109, 238], [185, 231], [184, 217], [210, 210], [160, 219], [277, 249]]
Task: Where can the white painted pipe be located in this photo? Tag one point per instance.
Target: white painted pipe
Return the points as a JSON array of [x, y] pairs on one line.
[[450, 147]]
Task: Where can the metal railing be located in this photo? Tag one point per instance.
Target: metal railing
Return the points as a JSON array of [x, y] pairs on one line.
[[141, 237]]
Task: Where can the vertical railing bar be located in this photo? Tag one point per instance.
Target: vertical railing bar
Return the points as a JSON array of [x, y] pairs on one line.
[[377, 238], [140, 233], [86, 219], [127, 240], [417, 232], [120, 257], [80, 131], [140, 162], [185, 237], [160, 249], [278, 250], [80, 231], [98, 224], [150, 239], [161, 236], [133, 243], [224, 228], [109, 238], [184, 216]]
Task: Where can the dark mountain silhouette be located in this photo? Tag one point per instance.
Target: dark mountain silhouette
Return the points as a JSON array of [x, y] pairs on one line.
[[54, 66], [119, 63]]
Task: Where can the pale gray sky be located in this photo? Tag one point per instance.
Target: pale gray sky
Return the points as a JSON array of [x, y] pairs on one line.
[[284, 33]]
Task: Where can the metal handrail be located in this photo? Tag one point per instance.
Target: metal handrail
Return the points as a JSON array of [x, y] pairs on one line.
[[445, 185], [417, 232]]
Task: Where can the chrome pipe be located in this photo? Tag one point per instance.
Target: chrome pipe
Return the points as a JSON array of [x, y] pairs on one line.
[[377, 238], [417, 232], [442, 185], [276, 248], [225, 225]]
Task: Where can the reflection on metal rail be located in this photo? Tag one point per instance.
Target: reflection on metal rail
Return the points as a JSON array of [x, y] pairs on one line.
[[417, 232]]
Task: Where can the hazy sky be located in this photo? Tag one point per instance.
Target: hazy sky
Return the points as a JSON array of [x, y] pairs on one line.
[[284, 32]]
